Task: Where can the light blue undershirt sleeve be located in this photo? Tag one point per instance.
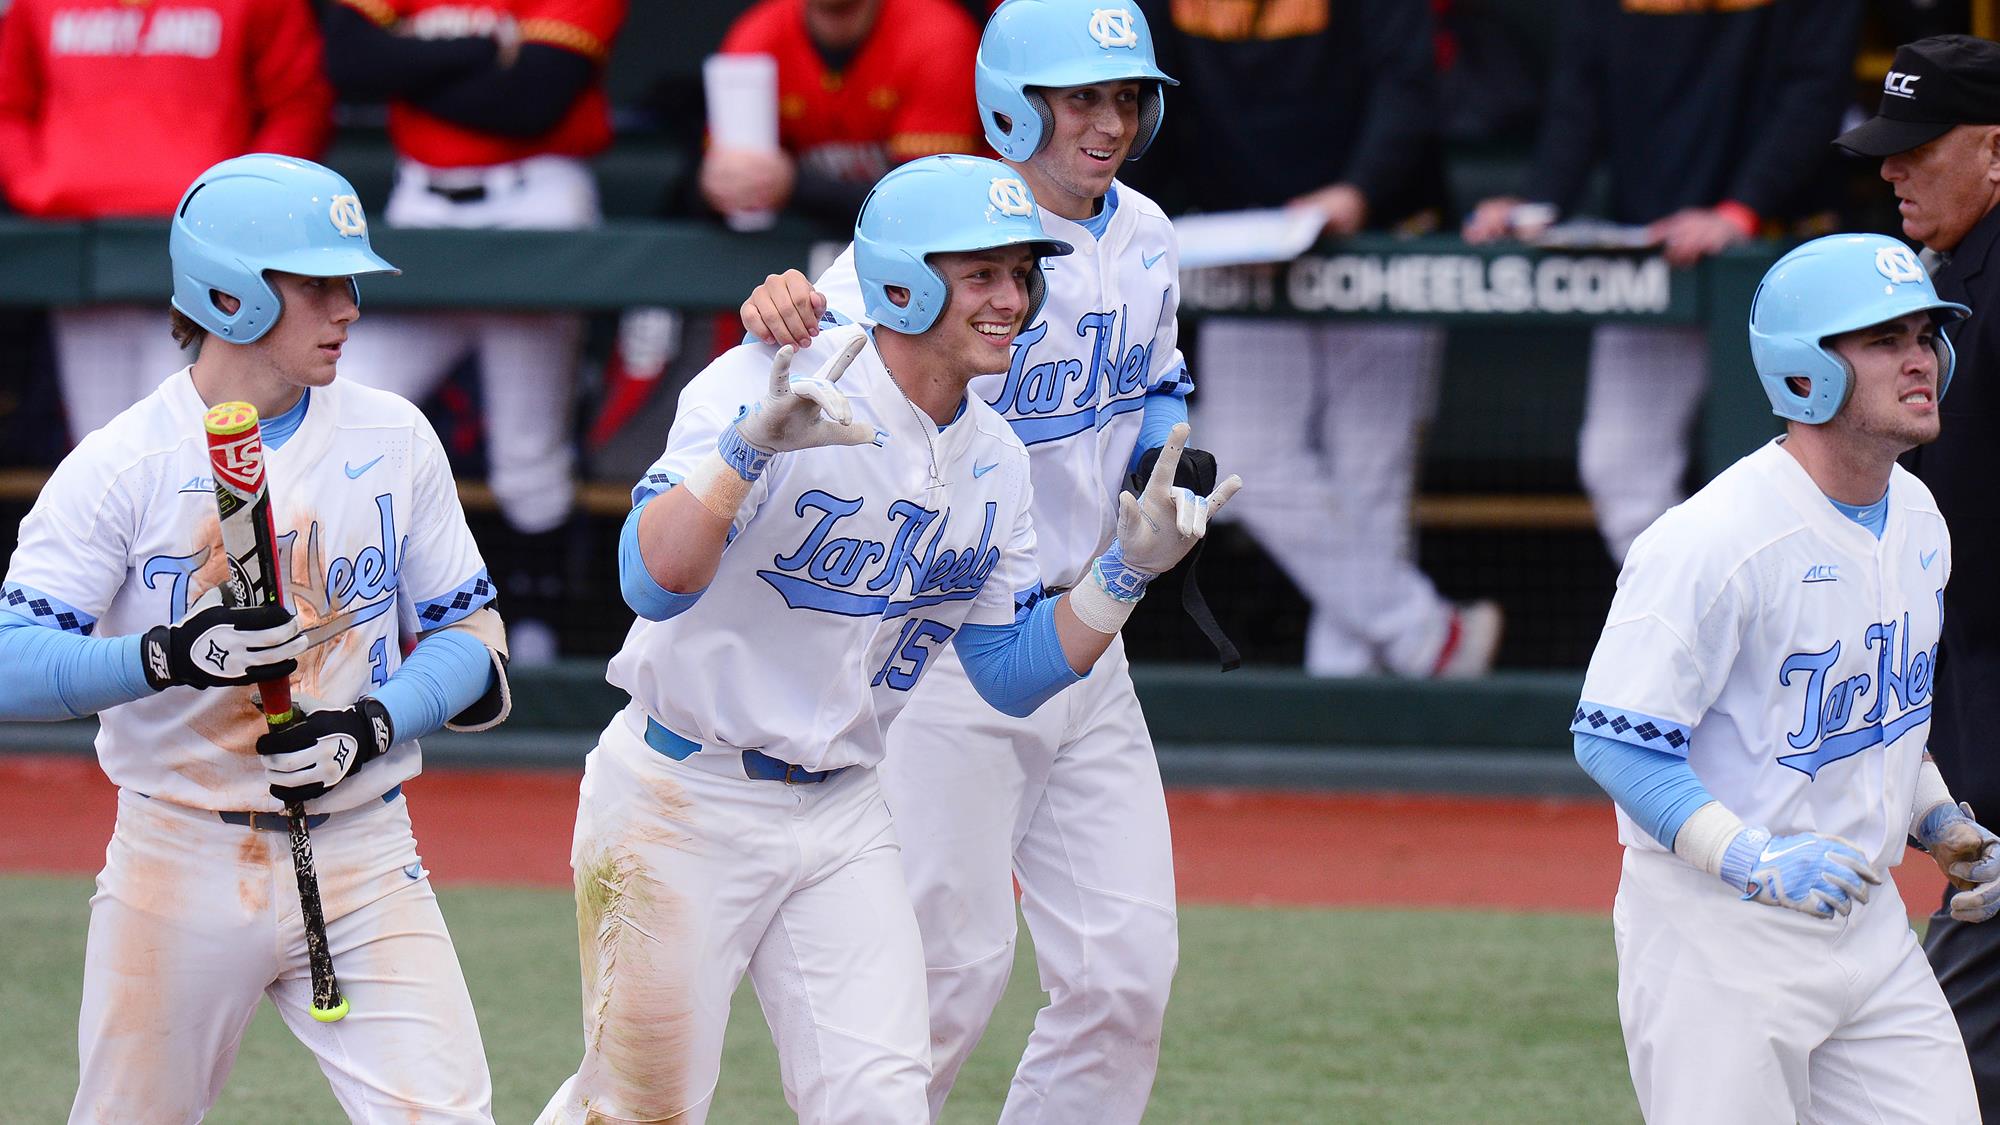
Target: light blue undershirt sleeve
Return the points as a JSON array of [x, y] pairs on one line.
[[53, 675], [1017, 667], [447, 672], [1874, 516], [1658, 790], [642, 591], [1164, 410]]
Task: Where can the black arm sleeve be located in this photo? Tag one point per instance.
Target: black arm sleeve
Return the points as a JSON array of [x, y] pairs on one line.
[[822, 197], [368, 64], [523, 100], [1571, 113], [1813, 48], [1402, 100]]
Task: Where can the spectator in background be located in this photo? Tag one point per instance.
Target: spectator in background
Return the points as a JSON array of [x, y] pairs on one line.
[[494, 108], [1938, 137], [1709, 122], [111, 109], [1331, 107], [863, 85]]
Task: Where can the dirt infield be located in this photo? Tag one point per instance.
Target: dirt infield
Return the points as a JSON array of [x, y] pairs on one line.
[[1230, 846]]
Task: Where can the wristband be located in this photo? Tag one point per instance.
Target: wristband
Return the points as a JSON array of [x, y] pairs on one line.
[[1705, 837], [738, 453]]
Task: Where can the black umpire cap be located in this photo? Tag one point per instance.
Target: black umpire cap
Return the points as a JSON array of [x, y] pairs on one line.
[[1934, 84]]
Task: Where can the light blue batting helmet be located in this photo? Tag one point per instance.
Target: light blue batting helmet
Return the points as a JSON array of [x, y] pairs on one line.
[[1828, 286], [262, 212], [936, 205], [1050, 44]]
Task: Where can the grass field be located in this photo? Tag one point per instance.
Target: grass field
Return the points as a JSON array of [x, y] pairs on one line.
[[1279, 1015]]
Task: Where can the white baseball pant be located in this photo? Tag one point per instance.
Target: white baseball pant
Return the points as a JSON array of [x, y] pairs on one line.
[[527, 361], [195, 920], [1069, 802], [1329, 416], [109, 357], [1646, 383], [1739, 1012], [687, 873]]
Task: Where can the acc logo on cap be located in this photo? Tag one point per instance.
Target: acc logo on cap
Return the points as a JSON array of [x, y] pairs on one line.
[[1112, 27], [1898, 84], [1898, 265], [347, 216], [1010, 196]]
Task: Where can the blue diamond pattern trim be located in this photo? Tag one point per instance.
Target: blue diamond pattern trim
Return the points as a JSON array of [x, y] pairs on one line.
[[40, 608], [1626, 725], [652, 484], [447, 608]]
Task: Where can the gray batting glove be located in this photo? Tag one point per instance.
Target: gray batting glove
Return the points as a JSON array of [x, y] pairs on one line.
[[805, 413], [1160, 526]]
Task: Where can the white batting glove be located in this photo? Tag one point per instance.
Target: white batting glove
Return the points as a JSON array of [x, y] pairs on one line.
[[1969, 855], [804, 413], [1821, 876], [1155, 531]]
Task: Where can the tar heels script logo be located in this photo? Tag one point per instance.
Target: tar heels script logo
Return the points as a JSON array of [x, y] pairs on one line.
[[369, 574], [1832, 723], [822, 573], [1056, 398]]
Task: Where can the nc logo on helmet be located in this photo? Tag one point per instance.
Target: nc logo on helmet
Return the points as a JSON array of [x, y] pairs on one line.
[[1010, 196], [1112, 27], [1898, 265], [348, 217]]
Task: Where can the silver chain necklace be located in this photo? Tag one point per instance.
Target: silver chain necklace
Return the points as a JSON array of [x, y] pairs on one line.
[[925, 423]]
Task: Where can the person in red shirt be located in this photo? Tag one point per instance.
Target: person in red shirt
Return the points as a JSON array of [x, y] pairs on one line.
[[111, 108], [495, 106], [863, 85]]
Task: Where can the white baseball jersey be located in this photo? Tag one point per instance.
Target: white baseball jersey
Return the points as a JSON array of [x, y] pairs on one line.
[[125, 537], [846, 571], [1783, 649], [1108, 335]]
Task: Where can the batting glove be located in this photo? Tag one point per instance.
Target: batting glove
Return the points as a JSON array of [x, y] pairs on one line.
[[1969, 856], [1162, 524], [802, 413], [306, 758], [1823, 876], [223, 646]]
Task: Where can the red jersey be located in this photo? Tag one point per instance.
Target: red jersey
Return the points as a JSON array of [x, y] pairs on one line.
[[907, 92], [112, 107], [583, 26]]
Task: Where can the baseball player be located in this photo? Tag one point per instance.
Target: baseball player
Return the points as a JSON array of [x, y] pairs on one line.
[[495, 107], [824, 528], [1068, 800], [1758, 705], [110, 607]]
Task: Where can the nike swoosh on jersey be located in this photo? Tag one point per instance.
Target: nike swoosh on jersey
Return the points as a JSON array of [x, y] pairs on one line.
[[1928, 559], [1149, 259], [355, 474], [981, 470]]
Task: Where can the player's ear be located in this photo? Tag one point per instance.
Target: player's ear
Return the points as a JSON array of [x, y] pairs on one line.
[[224, 302], [898, 296]]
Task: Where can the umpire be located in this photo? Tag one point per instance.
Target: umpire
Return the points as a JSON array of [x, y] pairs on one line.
[[1937, 134]]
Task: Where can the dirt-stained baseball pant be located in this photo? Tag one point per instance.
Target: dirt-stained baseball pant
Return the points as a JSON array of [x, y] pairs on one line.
[[687, 874], [109, 357], [1646, 383], [1738, 1012], [527, 361], [1331, 416], [1069, 802], [195, 920]]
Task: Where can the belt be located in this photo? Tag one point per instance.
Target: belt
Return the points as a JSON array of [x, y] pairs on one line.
[[278, 822], [757, 766]]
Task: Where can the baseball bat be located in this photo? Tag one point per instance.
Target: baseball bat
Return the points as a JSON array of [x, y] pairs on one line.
[[249, 539]]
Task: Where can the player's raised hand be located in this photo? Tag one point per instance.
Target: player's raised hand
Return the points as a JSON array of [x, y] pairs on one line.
[[1161, 525], [1823, 876], [223, 646], [784, 310], [304, 759], [805, 413]]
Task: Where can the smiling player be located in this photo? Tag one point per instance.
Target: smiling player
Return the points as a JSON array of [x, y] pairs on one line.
[[1758, 706]]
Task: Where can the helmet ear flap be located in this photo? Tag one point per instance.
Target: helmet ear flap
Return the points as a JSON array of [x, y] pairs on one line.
[[1152, 112], [1038, 291], [1047, 116]]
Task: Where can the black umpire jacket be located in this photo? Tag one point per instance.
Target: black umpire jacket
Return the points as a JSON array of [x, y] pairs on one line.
[[1962, 468]]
